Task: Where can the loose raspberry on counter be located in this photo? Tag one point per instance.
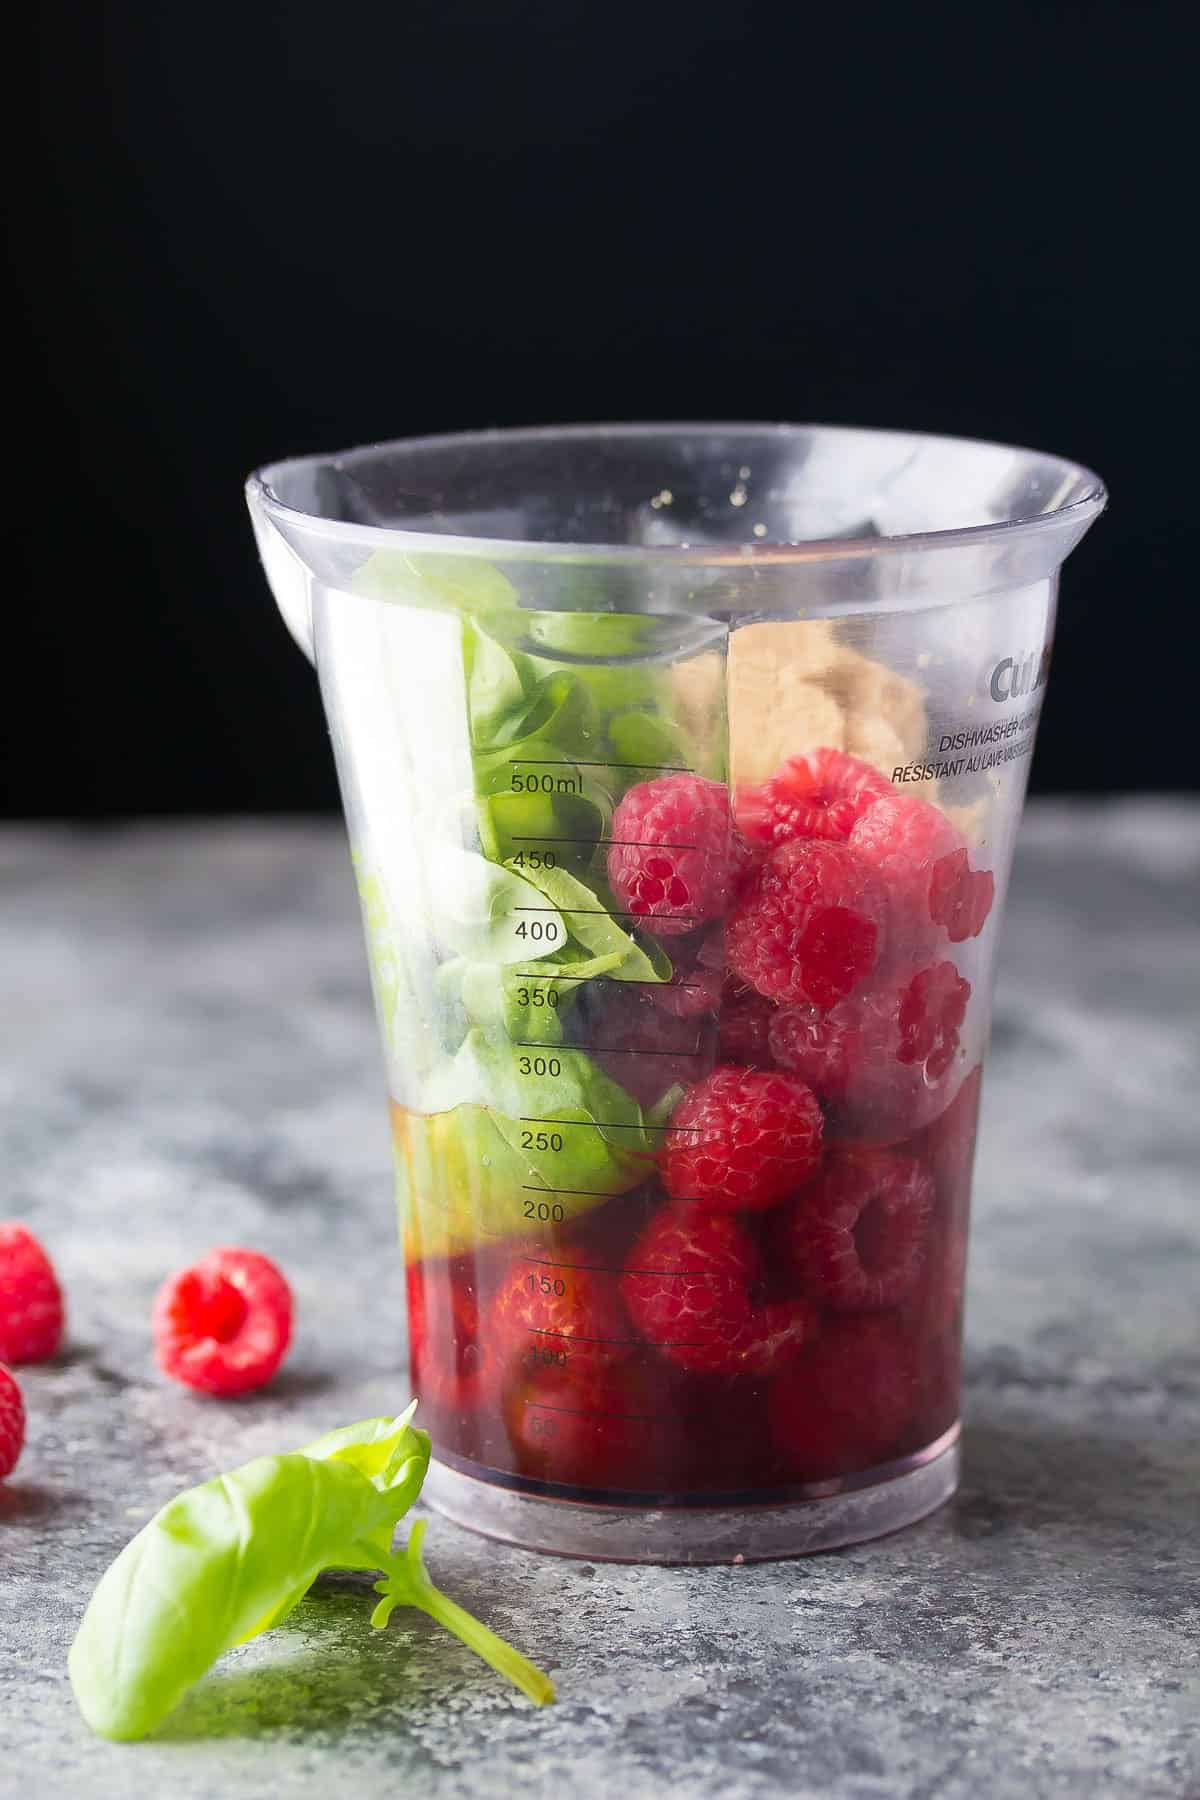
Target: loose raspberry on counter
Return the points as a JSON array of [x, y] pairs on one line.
[[859, 1233], [12, 1422], [923, 862], [811, 926], [670, 858], [742, 1138], [883, 1061], [693, 1283], [31, 1302], [847, 1403], [224, 1325], [820, 795]]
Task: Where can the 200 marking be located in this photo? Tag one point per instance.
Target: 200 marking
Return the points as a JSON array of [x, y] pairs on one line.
[[548, 1214]]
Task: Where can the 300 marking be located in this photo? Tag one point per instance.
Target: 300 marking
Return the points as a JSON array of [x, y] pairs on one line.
[[539, 1065]]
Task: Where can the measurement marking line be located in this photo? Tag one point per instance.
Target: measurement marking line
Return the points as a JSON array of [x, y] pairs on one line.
[[664, 1343], [609, 1124], [676, 987], [602, 1049], [532, 1188], [544, 1262], [518, 837], [583, 762], [602, 912], [586, 1412]]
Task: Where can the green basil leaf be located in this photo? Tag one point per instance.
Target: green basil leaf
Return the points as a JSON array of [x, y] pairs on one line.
[[495, 691], [588, 917], [490, 913], [646, 744], [435, 582], [228, 1559], [491, 1135]]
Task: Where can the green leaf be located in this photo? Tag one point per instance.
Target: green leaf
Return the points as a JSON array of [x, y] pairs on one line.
[[646, 742], [408, 1584], [557, 729], [588, 918], [490, 913], [228, 1559], [491, 1134], [495, 690], [436, 582]]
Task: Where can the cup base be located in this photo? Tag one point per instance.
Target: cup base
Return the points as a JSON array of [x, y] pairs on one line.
[[750, 1530]]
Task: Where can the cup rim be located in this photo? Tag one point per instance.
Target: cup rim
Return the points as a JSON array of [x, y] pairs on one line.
[[1076, 514]]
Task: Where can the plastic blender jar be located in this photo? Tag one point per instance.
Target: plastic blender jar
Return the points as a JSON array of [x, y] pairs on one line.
[[682, 767]]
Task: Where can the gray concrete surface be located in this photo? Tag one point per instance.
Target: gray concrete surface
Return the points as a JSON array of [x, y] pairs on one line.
[[188, 1057]]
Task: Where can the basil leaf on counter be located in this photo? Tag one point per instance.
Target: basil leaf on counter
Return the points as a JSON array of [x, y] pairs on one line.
[[233, 1557]]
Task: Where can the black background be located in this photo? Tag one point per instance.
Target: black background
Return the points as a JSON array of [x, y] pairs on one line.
[[249, 231]]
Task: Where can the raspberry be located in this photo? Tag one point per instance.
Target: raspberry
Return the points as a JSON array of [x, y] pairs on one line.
[[960, 898], [932, 1008], [443, 1331], [742, 1138], [810, 928], [12, 1422], [646, 1046], [744, 1027], [690, 993], [552, 1310], [949, 1146], [225, 1324], [821, 795], [858, 1234], [940, 1381], [846, 1403], [923, 862], [616, 1428], [669, 864], [882, 1061], [692, 1284], [31, 1302]]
